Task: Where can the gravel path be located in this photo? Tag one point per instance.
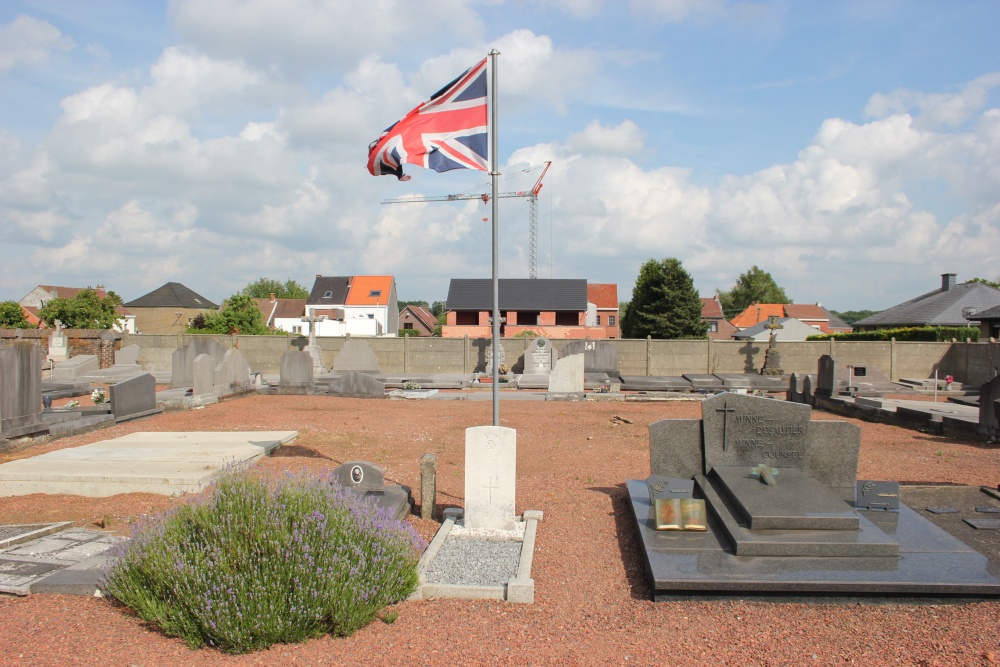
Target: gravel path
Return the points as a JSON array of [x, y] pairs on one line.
[[592, 600]]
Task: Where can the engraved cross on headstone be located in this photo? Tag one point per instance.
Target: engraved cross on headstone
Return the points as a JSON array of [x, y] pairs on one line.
[[725, 410], [492, 486]]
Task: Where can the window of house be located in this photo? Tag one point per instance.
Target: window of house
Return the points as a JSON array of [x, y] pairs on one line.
[[408, 325], [598, 320], [567, 319], [467, 318], [296, 329], [375, 292], [611, 320], [371, 316], [713, 326], [327, 294]]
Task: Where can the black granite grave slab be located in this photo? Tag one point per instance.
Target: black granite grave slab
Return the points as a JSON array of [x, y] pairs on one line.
[[930, 562], [795, 502], [703, 381], [867, 541], [655, 383]]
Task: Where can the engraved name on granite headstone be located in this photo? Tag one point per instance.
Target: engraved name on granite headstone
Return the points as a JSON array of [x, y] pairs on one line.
[[538, 358], [743, 431]]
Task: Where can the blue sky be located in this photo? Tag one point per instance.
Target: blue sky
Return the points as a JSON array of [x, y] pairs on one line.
[[852, 149]]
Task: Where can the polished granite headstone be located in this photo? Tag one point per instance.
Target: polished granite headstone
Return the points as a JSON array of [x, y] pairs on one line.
[[367, 480], [780, 492]]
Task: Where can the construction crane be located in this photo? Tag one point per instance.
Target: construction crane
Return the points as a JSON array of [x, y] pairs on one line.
[[532, 197]]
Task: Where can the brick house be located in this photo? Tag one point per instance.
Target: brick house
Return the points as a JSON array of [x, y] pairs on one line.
[[554, 308], [419, 319], [719, 328], [36, 299], [604, 297], [168, 309]]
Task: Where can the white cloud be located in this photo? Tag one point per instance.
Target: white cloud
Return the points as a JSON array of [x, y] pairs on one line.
[[623, 139], [29, 41], [312, 36], [936, 109]]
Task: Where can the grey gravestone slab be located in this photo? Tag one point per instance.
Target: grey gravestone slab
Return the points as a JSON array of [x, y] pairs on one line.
[[795, 388], [530, 381], [703, 381], [809, 390], [736, 380], [675, 448], [796, 502], [367, 480], [538, 357], [983, 524], [232, 372], [58, 347], [654, 383], [355, 355], [20, 390], [203, 378], [182, 359], [357, 385], [988, 393], [747, 431], [84, 364], [296, 372], [826, 376], [598, 355], [428, 485], [567, 376], [833, 450], [127, 356], [134, 398]]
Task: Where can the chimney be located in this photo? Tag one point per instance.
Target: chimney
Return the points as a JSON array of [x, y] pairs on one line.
[[947, 281], [272, 297]]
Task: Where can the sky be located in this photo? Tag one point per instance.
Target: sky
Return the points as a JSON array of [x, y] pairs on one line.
[[851, 149]]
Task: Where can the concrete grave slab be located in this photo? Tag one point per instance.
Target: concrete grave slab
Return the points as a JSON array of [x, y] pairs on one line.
[[165, 463]]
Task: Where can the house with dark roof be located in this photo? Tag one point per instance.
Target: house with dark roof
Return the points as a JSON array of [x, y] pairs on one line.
[[554, 308], [355, 305], [419, 319], [604, 298], [719, 328], [943, 307], [168, 309], [989, 322], [36, 299], [791, 330], [284, 314]]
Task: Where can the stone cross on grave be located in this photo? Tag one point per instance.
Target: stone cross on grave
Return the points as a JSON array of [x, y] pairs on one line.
[[773, 325], [59, 325], [314, 351], [766, 473]]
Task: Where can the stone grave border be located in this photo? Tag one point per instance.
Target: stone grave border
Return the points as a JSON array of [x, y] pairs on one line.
[[37, 530], [520, 588]]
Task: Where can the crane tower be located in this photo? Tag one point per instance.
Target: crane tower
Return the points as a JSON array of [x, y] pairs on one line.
[[532, 197]]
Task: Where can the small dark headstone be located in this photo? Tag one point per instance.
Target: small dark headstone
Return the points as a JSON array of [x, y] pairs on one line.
[[368, 481], [876, 495]]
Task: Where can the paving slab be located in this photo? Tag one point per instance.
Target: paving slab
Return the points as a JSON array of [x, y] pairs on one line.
[[70, 562], [167, 463]]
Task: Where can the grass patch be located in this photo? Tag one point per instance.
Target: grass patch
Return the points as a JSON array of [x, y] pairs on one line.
[[259, 561]]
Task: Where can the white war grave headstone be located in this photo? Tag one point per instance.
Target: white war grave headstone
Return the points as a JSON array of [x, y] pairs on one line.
[[58, 344], [490, 472]]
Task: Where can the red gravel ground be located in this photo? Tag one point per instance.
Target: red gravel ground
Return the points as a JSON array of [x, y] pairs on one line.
[[592, 601]]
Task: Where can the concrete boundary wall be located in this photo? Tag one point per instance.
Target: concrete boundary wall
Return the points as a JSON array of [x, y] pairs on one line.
[[970, 363]]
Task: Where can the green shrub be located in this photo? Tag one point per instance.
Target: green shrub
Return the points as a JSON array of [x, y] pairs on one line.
[[908, 334], [257, 561]]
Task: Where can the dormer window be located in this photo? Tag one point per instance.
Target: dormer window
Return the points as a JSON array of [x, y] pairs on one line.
[[328, 294]]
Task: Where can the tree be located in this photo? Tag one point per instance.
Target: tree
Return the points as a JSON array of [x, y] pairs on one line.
[[239, 315], [664, 303], [995, 284], [263, 288], [852, 316], [754, 286], [12, 316], [86, 310]]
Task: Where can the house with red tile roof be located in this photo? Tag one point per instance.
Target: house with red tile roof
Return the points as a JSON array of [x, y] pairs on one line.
[[419, 319], [719, 328], [604, 297], [36, 299], [355, 305], [814, 315]]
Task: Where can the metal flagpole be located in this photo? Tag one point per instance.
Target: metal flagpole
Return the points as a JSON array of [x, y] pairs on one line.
[[494, 174]]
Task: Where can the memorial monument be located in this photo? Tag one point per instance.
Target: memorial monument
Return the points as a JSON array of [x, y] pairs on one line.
[[783, 515]]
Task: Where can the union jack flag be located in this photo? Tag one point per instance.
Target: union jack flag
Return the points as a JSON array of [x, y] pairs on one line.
[[448, 131]]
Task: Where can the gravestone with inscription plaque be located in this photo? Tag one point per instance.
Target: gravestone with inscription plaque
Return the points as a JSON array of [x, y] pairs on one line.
[[490, 467], [538, 362], [783, 516]]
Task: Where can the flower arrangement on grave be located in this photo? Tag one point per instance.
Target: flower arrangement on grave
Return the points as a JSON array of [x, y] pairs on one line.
[[948, 380], [73, 404], [503, 369], [98, 396]]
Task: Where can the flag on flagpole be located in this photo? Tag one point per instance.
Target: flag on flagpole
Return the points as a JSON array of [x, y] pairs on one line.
[[448, 131]]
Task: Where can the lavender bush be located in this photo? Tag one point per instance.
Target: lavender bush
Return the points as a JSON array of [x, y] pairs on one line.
[[257, 561]]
